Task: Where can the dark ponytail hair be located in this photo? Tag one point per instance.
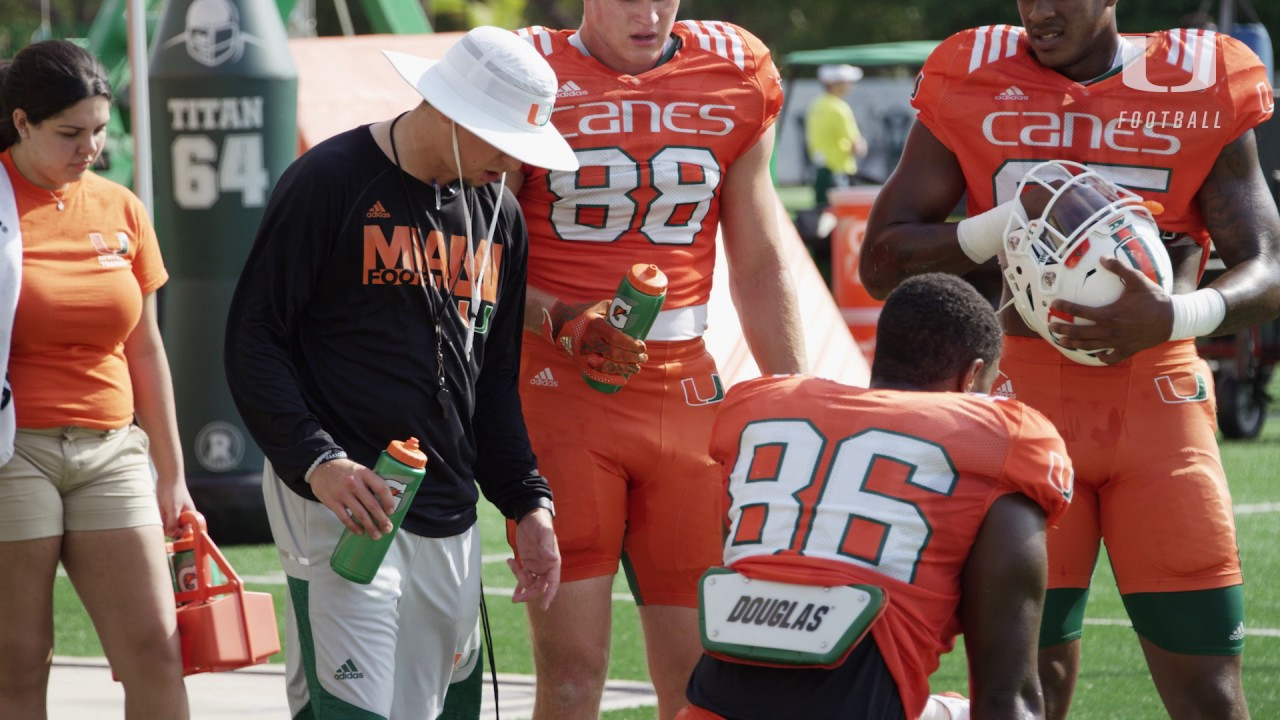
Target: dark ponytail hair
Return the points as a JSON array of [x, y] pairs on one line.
[[44, 79]]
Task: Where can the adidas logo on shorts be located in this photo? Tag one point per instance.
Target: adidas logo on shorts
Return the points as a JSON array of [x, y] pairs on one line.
[[348, 671], [544, 379], [1238, 634]]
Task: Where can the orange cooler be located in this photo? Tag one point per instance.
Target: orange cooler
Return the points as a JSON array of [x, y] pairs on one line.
[[852, 206]]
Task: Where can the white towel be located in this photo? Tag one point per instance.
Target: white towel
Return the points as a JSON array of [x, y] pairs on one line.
[[10, 284]]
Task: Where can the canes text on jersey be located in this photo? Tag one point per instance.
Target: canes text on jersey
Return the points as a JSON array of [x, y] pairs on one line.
[[1081, 130], [629, 116]]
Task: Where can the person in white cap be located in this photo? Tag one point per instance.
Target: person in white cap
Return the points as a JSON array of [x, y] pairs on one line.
[[831, 132], [383, 299], [674, 125]]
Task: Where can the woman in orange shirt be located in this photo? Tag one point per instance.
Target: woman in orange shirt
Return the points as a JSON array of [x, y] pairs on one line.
[[85, 361]]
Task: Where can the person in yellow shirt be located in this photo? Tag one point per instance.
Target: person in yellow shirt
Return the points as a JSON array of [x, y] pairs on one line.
[[831, 132]]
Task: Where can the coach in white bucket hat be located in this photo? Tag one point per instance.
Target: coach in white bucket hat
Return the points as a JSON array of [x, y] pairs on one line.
[[382, 300], [498, 87]]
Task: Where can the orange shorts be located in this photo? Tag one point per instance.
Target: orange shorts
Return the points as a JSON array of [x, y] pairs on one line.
[[630, 471], [1149, 479]]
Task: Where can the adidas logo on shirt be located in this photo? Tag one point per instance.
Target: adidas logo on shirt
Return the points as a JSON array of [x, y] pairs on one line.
[[377, 211], [544, 379], [570, 89], [348, 671], [1013, 92]]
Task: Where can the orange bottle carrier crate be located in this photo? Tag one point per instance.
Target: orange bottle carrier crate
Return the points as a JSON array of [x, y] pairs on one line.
[[221, 626]]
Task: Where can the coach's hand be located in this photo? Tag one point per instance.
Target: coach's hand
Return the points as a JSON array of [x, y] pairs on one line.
[[537, 562], [356, 494], [605, 353]]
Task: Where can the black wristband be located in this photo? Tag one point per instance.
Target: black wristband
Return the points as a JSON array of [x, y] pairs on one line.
[[537, 503]]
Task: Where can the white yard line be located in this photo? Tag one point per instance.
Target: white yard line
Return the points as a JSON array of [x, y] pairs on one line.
[[1257, 508], [1250, 632]]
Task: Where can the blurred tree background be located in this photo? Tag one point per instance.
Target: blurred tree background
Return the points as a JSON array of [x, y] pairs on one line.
[[785, 26]]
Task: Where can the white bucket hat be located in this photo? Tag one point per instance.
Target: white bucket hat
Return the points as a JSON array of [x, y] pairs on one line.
[[496, 85]]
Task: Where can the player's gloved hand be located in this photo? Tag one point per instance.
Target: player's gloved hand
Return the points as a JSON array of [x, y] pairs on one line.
[[605, 353]]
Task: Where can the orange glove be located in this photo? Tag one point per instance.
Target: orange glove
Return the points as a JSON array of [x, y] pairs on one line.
[[605, 353]]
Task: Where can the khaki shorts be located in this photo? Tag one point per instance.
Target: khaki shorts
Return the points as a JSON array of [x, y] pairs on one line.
[[73, 479]]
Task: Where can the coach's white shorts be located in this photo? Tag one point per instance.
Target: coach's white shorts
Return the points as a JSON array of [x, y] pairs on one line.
[[383, 650]]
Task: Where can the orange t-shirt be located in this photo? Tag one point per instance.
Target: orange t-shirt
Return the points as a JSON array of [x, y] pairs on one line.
[[85, 271], [654, 149], [829, 484], [1156, 126]]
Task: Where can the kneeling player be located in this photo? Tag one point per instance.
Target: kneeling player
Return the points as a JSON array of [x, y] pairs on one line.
[[868, 527]]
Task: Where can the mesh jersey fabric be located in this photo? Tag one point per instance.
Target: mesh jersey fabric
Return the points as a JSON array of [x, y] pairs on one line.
[[986, 98], [654, 150]]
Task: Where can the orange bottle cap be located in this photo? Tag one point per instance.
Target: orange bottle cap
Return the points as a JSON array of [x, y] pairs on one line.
[[648, 279], [407, 452]]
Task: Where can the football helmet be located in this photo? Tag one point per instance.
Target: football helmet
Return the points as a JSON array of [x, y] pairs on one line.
[[1067, 219]]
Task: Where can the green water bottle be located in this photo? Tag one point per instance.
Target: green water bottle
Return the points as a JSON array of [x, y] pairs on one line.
[[634, 308], [402, 465]]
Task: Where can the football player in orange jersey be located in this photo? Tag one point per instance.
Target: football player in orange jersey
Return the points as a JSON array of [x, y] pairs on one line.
[[931, 500], [1168, 115], [673, 126]]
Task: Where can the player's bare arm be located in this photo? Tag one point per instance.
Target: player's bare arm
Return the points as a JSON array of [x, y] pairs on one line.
[[1001, 603], [759, 280], [1242, 219], [1241, 215], [907, 232], [538, 305]]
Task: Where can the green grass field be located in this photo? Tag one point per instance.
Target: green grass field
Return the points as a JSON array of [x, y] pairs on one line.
[[1114, 683]]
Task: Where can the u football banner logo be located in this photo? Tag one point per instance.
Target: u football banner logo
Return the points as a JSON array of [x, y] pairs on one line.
[[1192, 51]]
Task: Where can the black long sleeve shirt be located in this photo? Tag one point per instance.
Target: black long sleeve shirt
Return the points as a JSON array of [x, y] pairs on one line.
[[331, 339]]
